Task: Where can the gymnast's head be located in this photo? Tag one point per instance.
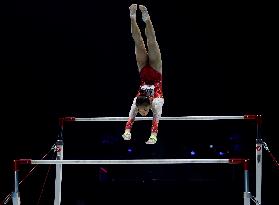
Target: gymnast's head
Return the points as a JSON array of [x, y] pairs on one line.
[[143, 104]]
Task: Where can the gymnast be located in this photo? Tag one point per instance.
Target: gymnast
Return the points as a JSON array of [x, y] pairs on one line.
[[150, 94]]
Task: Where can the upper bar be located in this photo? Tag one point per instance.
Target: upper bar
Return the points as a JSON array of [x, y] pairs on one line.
[[133, 161], [241, 117], [162, 118]]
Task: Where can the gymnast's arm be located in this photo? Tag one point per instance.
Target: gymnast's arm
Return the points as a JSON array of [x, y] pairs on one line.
[[157, 105], [132, 114]]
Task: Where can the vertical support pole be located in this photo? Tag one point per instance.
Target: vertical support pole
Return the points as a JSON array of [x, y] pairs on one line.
[[247, 194], [259, 146], [59, 156], [15, 194]]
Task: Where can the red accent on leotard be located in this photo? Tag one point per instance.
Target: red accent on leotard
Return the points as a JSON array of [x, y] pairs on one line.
[[130, 123], [155, 124], [150, 76]]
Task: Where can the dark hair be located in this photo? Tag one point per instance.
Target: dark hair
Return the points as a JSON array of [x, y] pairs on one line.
[[142, 101]]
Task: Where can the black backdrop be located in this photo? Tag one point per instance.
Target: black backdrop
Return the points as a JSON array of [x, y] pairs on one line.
[[77, 59]]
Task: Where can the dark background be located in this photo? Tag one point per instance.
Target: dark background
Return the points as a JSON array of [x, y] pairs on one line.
[[77, 59]]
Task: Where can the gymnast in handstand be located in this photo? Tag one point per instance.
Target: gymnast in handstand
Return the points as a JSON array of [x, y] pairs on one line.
[[150, 93]]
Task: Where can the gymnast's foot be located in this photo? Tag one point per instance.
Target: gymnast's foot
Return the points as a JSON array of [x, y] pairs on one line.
[[133, 11], [144, 13]]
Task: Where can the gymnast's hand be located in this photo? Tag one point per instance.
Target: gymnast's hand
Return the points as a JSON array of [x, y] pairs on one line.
[[127, 135], [152, 139]]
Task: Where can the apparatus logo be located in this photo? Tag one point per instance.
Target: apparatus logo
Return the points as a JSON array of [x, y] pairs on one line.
[[258, 148]]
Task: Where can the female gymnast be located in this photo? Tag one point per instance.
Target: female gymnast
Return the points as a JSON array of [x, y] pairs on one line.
[[150, 93]]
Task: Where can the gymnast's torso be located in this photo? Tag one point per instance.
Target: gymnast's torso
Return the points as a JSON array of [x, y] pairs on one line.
[[151, 79]]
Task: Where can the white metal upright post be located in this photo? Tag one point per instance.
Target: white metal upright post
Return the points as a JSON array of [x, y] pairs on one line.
[[15, 194], [58, 179], [247, 194], [259, 150], [59, 156], [259, 169]]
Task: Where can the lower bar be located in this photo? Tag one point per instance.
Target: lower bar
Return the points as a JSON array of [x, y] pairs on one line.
[[59, 163], [135, 161]]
